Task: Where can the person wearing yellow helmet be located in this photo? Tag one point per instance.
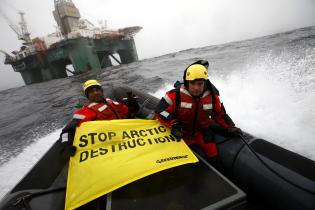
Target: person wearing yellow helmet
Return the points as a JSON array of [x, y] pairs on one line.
[[194, 79], [93, 90], [192, 108], [98, 108]]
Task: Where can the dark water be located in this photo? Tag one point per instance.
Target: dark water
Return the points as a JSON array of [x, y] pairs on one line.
[[267, 84]]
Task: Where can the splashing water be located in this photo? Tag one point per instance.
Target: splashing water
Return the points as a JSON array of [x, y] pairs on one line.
[[13, 170], [272, 99]]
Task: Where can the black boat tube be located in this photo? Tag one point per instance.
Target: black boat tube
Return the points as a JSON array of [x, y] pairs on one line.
[[281, 178]]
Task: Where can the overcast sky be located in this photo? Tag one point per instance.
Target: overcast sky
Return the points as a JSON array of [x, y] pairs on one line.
[[168, 25]]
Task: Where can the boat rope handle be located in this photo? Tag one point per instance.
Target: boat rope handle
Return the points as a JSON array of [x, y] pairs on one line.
[[272, 170]]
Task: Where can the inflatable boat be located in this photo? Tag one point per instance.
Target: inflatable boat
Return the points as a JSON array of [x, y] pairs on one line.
[[254, 174]]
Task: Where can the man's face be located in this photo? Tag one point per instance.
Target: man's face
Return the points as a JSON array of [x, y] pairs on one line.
[[196, 87], [95, 94]]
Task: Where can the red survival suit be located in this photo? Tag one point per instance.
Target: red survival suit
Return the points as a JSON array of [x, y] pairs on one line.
[[193, 114], [107, 110]]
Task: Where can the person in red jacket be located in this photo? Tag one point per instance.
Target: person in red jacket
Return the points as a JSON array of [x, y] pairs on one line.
[[98, 108], [190, 109]]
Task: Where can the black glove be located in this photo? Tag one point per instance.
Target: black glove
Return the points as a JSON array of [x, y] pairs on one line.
[[208, 135], [70, 129], [71, 126], [177, 131], [68, 149], [132, 104], [234, 131]]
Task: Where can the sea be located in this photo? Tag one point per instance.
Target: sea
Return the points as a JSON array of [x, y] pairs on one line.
[[267, 85]]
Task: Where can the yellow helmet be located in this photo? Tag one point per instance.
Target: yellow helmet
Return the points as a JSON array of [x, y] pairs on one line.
[[90, 83], [196, 71]]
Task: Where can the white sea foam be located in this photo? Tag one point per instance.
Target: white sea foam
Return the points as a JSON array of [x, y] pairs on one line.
[[273, 99], [12, 171]]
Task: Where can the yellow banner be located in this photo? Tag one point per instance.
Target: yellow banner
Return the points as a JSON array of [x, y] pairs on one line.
[[111, 154]]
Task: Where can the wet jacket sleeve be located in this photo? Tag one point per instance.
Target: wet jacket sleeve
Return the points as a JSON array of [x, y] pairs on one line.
[[84, 114], [219, 114], [165, 110]]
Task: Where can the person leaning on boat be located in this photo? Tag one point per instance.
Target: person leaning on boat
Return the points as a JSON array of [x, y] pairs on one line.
[[190, 108], [98, 108]]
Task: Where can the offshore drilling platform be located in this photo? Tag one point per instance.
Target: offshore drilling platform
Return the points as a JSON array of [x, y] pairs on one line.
[[77, 42]]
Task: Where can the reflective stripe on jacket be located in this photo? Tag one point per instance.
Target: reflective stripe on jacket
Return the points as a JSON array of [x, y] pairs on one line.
[[193, 113], [108, 110]]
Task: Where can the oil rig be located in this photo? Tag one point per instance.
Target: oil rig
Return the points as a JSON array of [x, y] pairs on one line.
[[76, 42]]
